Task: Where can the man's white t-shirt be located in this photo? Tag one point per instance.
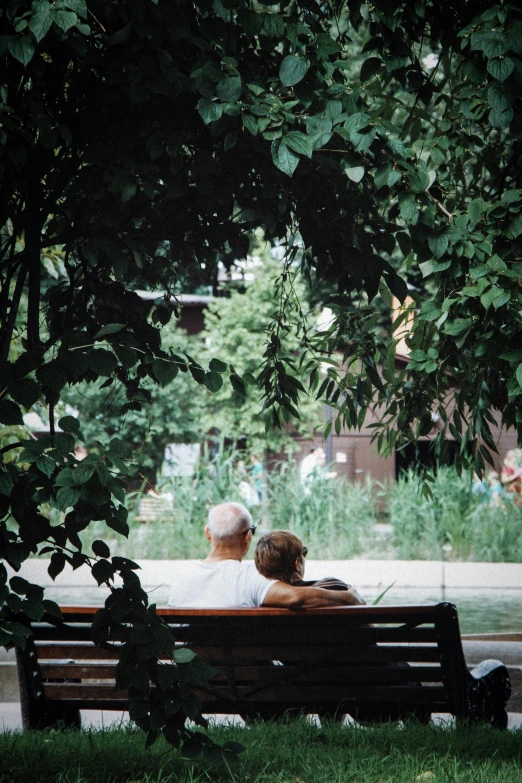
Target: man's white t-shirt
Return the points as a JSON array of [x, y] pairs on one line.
[[221, 585]]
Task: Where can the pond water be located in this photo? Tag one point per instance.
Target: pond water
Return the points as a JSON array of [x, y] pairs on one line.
[[480, 610]]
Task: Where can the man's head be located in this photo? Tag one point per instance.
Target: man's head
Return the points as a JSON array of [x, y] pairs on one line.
[[280, 555], [229, 529]]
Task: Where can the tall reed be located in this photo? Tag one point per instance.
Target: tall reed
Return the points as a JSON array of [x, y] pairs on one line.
[[337, 519], [464, 522]]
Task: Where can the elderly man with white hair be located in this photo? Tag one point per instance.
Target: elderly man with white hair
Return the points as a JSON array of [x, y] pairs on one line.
[[223, 581]]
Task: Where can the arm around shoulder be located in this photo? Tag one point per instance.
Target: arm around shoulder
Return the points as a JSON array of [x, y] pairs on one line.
[[289, 597]]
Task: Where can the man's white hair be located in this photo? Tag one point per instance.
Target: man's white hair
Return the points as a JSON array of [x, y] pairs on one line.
[[228, 520]]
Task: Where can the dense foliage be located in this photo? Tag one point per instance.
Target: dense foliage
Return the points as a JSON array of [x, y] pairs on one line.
[[142, 139], [183, 412]]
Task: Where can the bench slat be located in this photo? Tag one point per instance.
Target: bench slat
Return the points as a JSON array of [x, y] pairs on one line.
[[421, 613], [233, 636], [405, 653], [371, 695], [78, 652], [96, 671], [335, 674], [212, 654]]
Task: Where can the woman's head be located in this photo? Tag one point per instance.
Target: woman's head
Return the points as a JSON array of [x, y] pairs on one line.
[[279, 555]]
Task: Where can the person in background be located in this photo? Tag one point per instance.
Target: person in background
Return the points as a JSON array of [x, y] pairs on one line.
[[256, 473], [313, 468]]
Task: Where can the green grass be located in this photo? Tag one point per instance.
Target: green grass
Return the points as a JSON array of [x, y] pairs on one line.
[[296, 752]]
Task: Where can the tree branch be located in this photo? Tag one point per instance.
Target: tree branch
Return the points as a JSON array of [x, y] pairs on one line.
[[7, 330]]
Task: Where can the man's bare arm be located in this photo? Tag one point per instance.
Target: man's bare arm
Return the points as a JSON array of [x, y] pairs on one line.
[[289, 597]]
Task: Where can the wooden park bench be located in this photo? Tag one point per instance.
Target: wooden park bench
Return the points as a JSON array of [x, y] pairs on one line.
[[322, 661]]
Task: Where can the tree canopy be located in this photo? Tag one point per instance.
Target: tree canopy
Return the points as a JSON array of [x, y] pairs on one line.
[[141, 141]]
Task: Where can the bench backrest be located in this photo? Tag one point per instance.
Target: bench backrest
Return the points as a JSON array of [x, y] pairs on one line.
[[332, 659]]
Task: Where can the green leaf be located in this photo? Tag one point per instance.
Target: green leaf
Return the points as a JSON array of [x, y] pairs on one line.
[[293, 69], [128, 192], [393, 177], [183, 655], [250, 21], [491, 43], [250, 123], [118, 521], [476, 209], [164, 371], [519, 375], [65, 19], [381, 176], [32, 450], [33, 608], [237, 384], [501, 67], [6, 483], [69, 424], [216, 365], [500, 120], [355, 174], [78, 6], [108, 329], [213, 381], [26, 392], [56, 565], [45, 465], [41, 21], [284, 158], [22, 49], [209, 110], [20, 585], [10, 413], [102, 571], [457, 327], [512, 195], [229, 89], [100, 548], [429, 311], [64, 443], [299, 142], [273, 25], [67, 497], [83, 472], [52, 375], [52, 608], [438, 244], [120, 36], [408, 207], [370, 67], [101, 361], [513, 355], [65, 478], [498, 99]]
